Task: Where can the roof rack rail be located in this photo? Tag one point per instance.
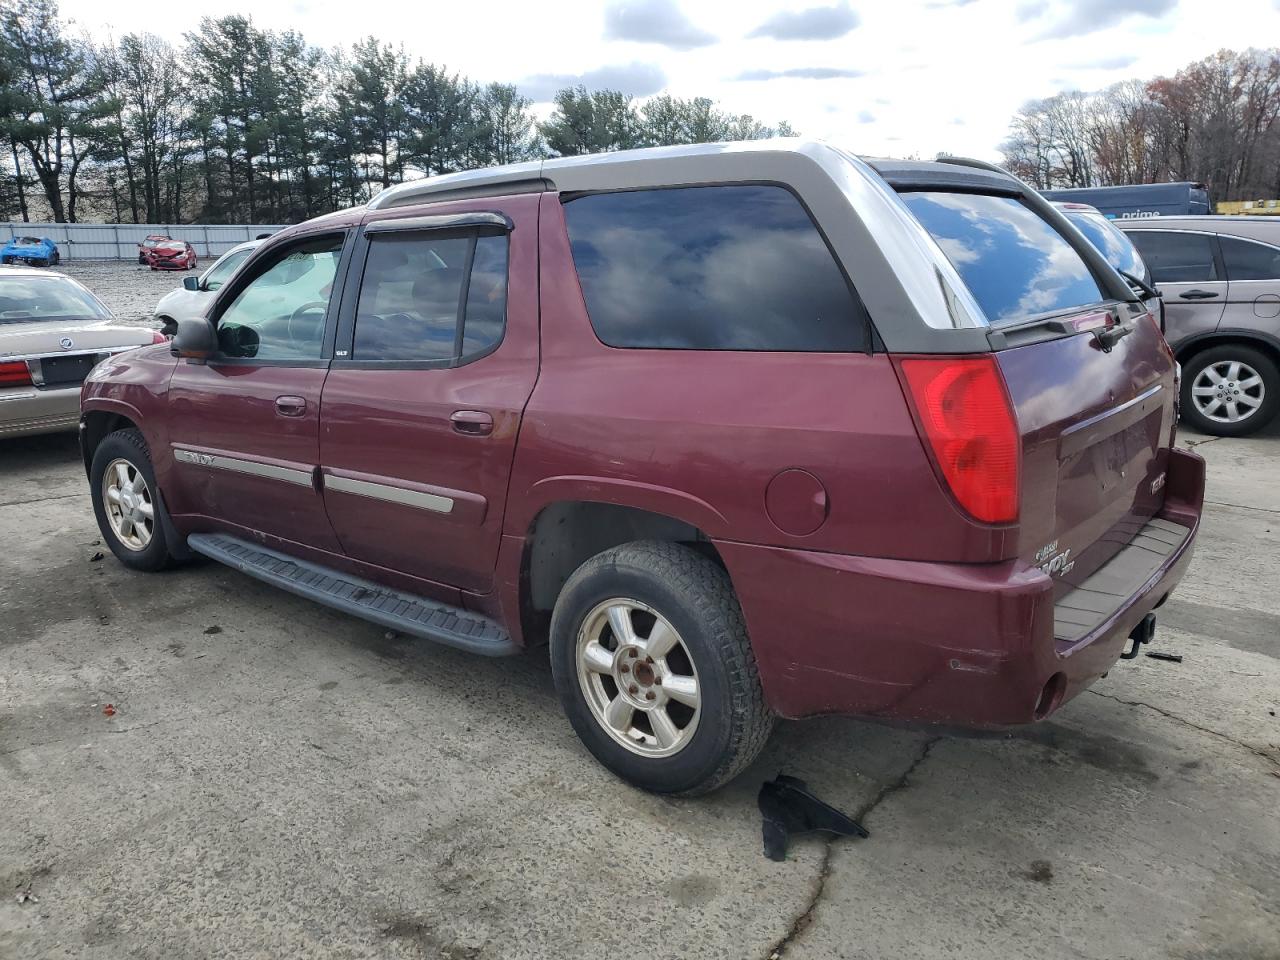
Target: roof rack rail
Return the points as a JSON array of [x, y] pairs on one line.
[[485, 182]]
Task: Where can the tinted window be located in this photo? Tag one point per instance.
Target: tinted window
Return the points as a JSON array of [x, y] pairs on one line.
[[47, 298], [280, 314], [223, 269], [486, 296], [1111, 242], [411, 290], [1176, 257], [1249, 261], [710, 268], [1015, 263]]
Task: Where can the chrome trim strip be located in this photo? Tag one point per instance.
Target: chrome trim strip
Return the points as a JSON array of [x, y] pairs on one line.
[[250, 467], [382, 491], [100, 352]]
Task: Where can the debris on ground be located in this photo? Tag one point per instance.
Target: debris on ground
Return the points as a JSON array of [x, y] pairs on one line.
[[26, 896], [1170, 657], [96, 557], [109, 710], [212, 630], [789, 809]]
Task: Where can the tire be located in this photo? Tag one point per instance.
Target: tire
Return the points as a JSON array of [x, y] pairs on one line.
[[148, 553], [57, 259], [661, 586], [1254, 391], [44, 262]]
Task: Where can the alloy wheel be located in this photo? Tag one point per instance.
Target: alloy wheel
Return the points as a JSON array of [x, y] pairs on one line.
[[638, 678], [1228, 391], [129, 507]]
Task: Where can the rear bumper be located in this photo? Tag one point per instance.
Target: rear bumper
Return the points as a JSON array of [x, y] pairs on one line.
[[25, 411], [945, 643]]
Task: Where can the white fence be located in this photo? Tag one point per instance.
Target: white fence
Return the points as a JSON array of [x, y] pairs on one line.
[[119, 241]]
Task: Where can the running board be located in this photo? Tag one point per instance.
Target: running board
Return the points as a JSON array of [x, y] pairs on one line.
[[405, 612]]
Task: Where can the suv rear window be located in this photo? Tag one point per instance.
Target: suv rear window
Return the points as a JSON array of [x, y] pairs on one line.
[[1247, 260], [711, 268], [1014, 263]]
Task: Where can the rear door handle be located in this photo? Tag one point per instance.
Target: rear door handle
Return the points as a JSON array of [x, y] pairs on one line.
[[473, 423], [291, 406], [1198, 295]]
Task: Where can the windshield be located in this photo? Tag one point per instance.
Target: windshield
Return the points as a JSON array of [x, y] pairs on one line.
[[223, 269], [26, 241], [47, 298], [1016, 265], [1111, 242]]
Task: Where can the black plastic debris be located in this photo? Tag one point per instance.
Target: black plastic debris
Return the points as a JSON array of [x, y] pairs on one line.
[[789, 809], [1170, 657]]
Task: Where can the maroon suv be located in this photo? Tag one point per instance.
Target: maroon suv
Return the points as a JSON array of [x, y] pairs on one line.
[[746, 430]]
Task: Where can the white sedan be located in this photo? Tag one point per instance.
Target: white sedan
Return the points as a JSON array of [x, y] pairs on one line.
[[194, 297]]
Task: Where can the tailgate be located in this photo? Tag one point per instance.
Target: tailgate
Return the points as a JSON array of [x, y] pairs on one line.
[[1096, 430]]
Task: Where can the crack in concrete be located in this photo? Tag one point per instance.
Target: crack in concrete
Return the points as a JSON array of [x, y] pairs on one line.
[[805, 918], [23, 503], [1256, 751], [1242, 506]]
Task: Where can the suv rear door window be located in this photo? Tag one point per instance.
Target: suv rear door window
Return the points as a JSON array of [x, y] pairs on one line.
[[1175, 257], [415, 289], [711, 268], [1014, 262], [1246, 260]]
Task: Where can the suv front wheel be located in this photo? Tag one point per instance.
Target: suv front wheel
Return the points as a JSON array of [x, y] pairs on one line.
[[1230, 390], [126, 501], [654, 668]]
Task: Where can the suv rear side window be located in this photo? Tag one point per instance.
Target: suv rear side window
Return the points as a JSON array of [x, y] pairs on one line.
[[1176, 257], [1014, 263], [1246, 260], [415, 290], [711, 268]]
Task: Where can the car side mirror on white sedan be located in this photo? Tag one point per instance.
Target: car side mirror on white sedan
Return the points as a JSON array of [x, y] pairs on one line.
[[190, 283]]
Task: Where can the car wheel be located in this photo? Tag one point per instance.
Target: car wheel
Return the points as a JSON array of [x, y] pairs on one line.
[[1230, 390], [654, 668], [57, 259], [126, 501]]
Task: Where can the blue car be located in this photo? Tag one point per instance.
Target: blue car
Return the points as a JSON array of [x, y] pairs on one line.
[[35, 251]]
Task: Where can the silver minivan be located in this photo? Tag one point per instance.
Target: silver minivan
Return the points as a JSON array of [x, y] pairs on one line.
[[1220, 278]]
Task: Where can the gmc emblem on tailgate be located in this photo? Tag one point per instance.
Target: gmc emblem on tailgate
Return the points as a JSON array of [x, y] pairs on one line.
[[1157, 484]]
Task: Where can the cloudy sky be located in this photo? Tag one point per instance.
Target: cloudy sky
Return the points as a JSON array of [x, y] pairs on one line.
[[889, 77]]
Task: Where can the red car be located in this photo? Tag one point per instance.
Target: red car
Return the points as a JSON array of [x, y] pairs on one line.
[[148, 242], [742, 431], [171, 255]]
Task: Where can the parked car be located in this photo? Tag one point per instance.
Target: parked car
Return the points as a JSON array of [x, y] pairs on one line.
[[743, 431], [148, 242], [52, 332], [1220, 277], [33, 251], [193, 298], [172, 255], [1118, 249]]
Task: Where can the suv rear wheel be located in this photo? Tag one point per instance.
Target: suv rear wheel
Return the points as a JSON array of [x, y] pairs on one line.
[[1230, 390], [126, 501], [654, 669]]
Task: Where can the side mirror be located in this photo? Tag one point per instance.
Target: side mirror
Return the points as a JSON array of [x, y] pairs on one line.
[[190, 283], [195, 340]]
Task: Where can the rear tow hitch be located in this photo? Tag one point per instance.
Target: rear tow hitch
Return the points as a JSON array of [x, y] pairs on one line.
[[1144, 632]]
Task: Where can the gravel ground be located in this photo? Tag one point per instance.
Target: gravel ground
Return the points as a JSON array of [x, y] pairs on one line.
[[129, 290], [278, 780]]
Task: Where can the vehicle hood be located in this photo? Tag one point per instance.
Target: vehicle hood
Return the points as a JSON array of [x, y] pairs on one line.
[[24, 339], [182, 303]]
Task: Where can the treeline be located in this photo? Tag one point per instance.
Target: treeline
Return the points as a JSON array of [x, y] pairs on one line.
[[244, 125], [1216, 121]]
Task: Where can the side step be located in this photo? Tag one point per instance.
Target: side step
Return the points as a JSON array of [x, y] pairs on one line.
[[406, 612]]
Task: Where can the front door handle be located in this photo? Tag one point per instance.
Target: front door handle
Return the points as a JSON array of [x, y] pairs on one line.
[[473, 423], [291, 406], [1198, 295]]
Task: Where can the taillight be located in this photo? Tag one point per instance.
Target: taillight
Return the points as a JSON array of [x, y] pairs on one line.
[[158, 337], [14, 374], [965, 415]]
